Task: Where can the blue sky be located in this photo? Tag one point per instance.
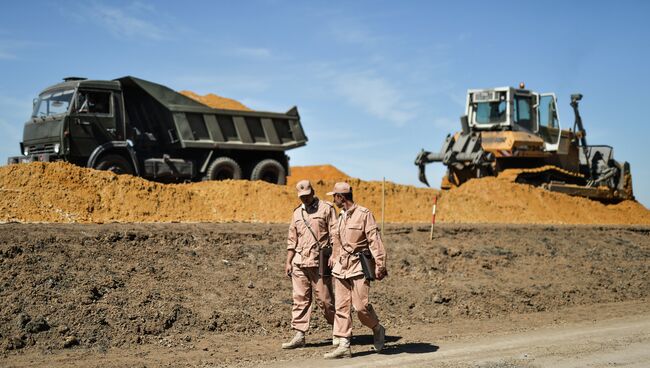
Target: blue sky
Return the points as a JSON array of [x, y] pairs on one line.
[[375, 81]]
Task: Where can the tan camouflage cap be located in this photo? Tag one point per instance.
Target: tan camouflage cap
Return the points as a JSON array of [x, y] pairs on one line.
[[341, 188], [304, 188]]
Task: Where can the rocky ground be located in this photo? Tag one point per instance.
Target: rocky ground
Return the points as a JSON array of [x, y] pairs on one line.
[[212, 289]]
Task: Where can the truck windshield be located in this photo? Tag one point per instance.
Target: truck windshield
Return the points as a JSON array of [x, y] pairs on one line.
[[53, 103]]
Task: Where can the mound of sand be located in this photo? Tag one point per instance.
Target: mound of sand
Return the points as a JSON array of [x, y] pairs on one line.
[[494, 200], [316, 173], [61, 192], [215, 101]]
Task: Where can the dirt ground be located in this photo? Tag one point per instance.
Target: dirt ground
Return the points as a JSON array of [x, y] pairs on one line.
[[213, 294]]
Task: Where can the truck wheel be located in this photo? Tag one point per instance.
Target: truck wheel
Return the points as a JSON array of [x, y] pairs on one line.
[[115, 163], [223, 168], [270, 171]]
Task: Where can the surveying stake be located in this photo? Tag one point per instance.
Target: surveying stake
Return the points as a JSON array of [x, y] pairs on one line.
[[433, 217]]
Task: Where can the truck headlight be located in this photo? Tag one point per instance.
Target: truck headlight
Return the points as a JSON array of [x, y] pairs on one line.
[[57, 148], [26, 151]]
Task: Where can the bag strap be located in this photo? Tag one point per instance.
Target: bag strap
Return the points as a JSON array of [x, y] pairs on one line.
[[302, 214], [342, 241]]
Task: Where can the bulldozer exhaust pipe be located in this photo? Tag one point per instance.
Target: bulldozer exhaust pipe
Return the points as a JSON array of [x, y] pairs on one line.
[[464, 124]]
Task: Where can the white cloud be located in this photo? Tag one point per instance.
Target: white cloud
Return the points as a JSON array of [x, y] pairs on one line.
[[265, 105], [220, 82], [135, 20], [11, 107], [352, 32], [376, 96], [447, 124], [9, 48], [6, 55], [121, 24], [253, 52]]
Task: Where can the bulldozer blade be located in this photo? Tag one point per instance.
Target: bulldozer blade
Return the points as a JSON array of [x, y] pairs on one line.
[[423, 176]]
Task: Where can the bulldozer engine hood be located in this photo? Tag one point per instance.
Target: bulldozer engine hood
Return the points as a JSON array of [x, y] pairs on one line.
[[512, 143]]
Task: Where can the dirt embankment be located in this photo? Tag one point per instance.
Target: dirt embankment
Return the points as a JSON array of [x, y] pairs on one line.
[[494, 200], [174, 285], [61, 192], [324, 173]]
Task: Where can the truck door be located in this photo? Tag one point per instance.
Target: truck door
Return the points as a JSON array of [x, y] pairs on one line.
[[92, 122], [549, 123]]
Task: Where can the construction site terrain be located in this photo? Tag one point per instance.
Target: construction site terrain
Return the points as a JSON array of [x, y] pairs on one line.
[[104, 270]]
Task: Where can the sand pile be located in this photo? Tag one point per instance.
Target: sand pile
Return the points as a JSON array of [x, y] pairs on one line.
[[61, 192], [215, 101], [495, 200], [316, 173]]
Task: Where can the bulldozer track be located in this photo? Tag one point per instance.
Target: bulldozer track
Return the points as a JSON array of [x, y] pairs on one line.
[[512, 174]]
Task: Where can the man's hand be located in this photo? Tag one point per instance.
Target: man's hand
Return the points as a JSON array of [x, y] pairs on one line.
[[380, 272], [330, 262], [287, 269]]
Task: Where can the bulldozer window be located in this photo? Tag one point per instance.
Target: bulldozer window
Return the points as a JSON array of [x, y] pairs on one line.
[[549, 127], [490, 112], [523, 113]]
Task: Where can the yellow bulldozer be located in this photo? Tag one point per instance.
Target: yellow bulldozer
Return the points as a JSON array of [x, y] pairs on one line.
[[515, 134]]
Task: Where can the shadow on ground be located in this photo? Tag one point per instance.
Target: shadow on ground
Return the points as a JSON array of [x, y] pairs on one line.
[[393, 347]]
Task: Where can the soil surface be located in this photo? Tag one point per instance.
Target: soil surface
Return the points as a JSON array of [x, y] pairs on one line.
[[61, 192], [214, 295]]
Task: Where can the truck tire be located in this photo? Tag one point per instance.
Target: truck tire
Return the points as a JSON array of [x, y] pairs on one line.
[[223, 168], [115, 163], [270, 171]]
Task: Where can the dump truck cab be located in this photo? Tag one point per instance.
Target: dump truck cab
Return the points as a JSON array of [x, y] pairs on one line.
[[71, 119], [133, 126]]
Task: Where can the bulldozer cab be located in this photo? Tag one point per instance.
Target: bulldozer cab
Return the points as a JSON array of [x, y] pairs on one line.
[[507, 108]]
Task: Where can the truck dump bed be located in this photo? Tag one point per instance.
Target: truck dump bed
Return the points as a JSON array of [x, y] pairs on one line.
[[176, 121]]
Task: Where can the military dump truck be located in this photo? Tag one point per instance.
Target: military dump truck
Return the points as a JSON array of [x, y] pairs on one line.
[[515, 133], [132, 126]]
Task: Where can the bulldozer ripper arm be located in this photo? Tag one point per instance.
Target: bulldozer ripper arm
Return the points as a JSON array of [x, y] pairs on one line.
[[420, 161], [423, 158], [422, 175]]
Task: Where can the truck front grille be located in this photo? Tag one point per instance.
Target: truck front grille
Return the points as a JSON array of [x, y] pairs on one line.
[[41, 148]]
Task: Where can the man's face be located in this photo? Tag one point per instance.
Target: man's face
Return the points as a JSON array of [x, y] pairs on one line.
[[307, 198], [338, 200]]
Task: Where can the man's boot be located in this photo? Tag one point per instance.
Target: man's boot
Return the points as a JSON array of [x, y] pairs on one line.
[[298, 341], [342, 351], [379, 336], [336, 340]]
